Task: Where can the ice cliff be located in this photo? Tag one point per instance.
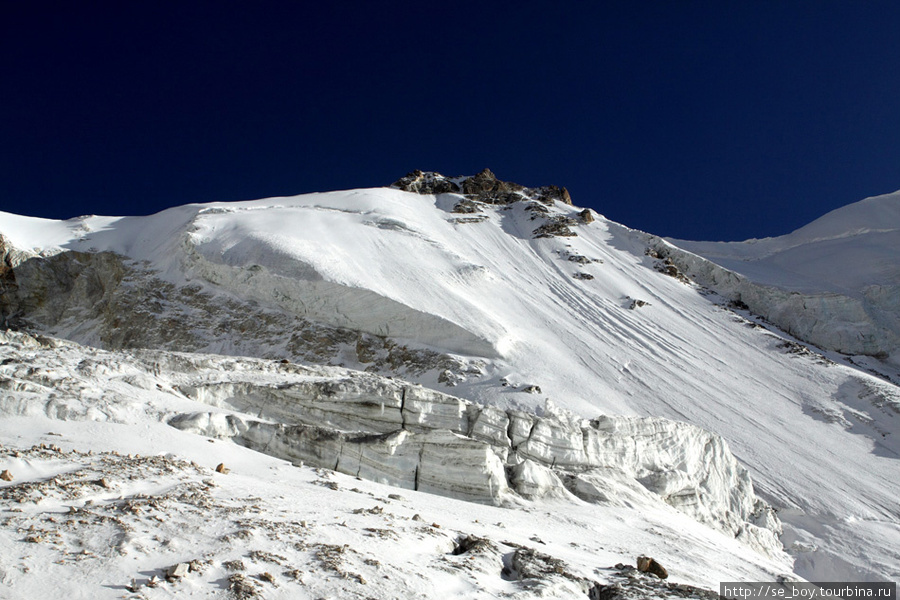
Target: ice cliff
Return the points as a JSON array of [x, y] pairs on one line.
[[396, 433], [834, 283]]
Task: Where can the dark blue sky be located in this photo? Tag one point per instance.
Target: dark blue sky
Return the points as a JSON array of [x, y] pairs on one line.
[[700, 120]]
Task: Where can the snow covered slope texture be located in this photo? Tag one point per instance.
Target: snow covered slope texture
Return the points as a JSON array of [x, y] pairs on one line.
[[834, 283], [648, 476], [505, 295]]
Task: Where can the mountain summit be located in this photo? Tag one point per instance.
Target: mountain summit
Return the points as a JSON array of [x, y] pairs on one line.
[[610, 392]]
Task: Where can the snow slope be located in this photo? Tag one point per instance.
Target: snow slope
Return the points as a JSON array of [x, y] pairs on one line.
[[835, 282], [106, 495], [587, 321], [844, 251]]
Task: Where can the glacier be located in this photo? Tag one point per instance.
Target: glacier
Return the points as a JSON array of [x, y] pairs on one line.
[[550, 350]]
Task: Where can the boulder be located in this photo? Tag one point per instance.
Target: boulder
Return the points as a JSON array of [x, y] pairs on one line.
[[178, 571], [645, 564]]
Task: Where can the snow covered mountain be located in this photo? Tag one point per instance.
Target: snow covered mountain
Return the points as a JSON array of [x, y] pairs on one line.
[[467, 337], [834, 282]]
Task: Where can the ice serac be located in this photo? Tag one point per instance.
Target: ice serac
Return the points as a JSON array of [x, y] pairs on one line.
[[834, 283], [435, 461], [405, 435], [864, 324]]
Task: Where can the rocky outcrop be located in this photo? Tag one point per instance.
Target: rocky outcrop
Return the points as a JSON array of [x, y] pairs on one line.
[[104, 299], [429, 182], [7, 276], [486, 184], [628, 583], [8, 286], [556, 226], [483, 187]]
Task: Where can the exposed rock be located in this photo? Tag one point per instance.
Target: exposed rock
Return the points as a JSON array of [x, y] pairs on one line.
[[532, 389], [473, 544], [429, 182], [587, 215], [466, 206], [635, 303], [483, 187], [486, 185], [630, 584], [528, 563], [537, 210], [556, 226], [551, 193], [583, 276], [645, 564], [667, 267], [242, 588], [178, 571], [267, 577], [447, 378], [6, 475], [105, 299], [221, 468], [7, 274]]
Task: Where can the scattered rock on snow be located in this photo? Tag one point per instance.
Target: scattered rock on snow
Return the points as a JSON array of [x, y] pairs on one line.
[[645, 564], [242, 588], [221, 468], [635, 303], [6, 475], [556, 226], [178, 571]]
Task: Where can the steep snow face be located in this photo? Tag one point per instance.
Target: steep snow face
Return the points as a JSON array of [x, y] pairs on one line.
[[834, 282], [516, 300]]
